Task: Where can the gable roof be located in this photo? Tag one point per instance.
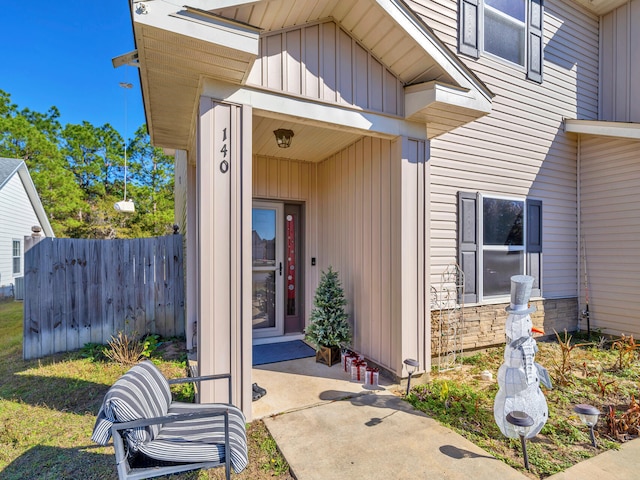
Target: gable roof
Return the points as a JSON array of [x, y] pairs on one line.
[[179, 46], [10, 167]]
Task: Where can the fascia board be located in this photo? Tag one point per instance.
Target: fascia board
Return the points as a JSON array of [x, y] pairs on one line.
[[434, 48], [187, 22], [602, 128], [311, 111], [34, 198], [419, 97]]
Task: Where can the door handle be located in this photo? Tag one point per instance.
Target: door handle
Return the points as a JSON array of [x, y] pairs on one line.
[[280, 268]]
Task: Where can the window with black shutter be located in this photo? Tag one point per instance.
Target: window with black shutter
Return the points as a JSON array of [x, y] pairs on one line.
[[498, 237], [508, 29]]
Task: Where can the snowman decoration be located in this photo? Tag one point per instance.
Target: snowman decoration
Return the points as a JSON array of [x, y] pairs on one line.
[[519, 377]]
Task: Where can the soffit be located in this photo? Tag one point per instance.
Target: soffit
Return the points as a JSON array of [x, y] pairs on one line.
[[601, 7], [179, 46]]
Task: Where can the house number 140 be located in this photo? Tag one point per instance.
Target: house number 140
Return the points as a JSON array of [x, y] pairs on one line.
[[224, 165]]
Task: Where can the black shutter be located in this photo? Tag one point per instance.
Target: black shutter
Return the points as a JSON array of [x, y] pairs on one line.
[[468, 27], [534, 245], [535, 44], [468, 244]]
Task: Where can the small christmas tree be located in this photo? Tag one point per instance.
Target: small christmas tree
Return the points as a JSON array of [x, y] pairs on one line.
[[328, 325]]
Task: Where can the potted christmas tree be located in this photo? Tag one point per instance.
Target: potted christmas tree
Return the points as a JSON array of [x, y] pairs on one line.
[[328, 327]]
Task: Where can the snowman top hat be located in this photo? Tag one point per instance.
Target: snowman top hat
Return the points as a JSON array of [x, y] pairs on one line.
[[521, 286]]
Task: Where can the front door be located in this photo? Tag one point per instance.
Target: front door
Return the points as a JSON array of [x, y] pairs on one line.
[[267, 264]]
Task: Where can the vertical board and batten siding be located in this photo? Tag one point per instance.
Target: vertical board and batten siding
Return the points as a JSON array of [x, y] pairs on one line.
[[371, 198], [519, 149], [292, 181], [80, 291], [17, 216], [610, 217], [620, 70], [355, 234], [322, 61]]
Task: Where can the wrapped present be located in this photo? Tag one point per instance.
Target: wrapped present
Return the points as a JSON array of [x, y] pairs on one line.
[[349, 359], [371, 377], [358, 368]]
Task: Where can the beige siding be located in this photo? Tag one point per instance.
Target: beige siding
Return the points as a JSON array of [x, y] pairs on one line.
[[620, 98], [370, 222], [520, 149], [322, 61], [610, 217]]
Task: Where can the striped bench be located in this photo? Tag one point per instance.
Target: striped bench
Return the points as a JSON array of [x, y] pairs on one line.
[[171, 437]]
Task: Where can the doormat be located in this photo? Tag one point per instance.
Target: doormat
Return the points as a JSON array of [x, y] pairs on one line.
[[281, 352]]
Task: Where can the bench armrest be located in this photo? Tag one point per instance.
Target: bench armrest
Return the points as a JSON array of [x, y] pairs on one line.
[[204, 378]]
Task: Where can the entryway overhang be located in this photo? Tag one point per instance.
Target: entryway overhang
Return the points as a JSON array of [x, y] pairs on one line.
[[603, 128], [180, 47]]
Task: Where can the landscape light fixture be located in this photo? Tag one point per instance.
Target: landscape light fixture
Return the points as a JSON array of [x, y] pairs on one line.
[[412, 366], [283, 137], [589, 416], [522, 423]]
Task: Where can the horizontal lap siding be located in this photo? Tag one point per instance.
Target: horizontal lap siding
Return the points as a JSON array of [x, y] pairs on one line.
[[16, 219], [520, 149], [610, 197]]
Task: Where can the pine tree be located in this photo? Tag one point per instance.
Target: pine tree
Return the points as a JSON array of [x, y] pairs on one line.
[[328, 325]]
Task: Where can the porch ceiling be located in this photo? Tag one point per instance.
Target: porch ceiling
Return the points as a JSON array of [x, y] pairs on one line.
[[180, 46], [600, 7], [310, 143]]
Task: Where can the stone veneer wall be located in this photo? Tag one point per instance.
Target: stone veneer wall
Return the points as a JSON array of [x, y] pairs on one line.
[[484, 324]]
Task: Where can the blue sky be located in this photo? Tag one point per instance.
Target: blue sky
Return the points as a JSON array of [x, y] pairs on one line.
[[58, 53]]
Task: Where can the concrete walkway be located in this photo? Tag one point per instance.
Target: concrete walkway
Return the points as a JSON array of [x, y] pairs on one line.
[[333, 429], [378, 436]]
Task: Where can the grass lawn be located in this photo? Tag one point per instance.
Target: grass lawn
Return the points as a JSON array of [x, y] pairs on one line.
[[591, 374], [48, 408]]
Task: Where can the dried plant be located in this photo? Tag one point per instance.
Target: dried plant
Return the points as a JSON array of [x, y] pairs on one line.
[[563, 369], [626, 425], [626, 347], [125, 349], [602, 385]]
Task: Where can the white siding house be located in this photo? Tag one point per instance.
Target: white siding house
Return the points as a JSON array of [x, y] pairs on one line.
[[420, 142], [20, 210]]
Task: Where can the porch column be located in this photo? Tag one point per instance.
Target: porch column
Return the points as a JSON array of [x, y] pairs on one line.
[[224, 250], [413, 331]]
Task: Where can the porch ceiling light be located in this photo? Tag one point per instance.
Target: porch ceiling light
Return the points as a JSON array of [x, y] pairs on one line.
[[283, 137]]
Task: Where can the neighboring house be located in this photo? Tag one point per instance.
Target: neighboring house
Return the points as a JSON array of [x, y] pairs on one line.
[[20, 210], [425, 134]]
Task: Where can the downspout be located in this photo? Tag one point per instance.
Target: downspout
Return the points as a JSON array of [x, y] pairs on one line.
[[579, 205]]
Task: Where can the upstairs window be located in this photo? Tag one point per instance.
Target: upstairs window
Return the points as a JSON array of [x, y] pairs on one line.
[[509, 29]]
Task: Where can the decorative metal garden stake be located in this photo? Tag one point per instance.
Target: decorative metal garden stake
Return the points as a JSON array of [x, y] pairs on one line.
[[589, 416], [519, 376], [522, 424]]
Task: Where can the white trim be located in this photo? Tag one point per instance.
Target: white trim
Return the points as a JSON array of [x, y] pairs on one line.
[[276, 105], [603, 128]]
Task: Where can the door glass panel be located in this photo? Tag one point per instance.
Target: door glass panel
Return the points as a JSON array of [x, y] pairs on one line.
[[264, 300], [264, 237]]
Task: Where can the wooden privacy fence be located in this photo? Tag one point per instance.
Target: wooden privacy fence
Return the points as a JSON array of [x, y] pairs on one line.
[[84, 291]]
